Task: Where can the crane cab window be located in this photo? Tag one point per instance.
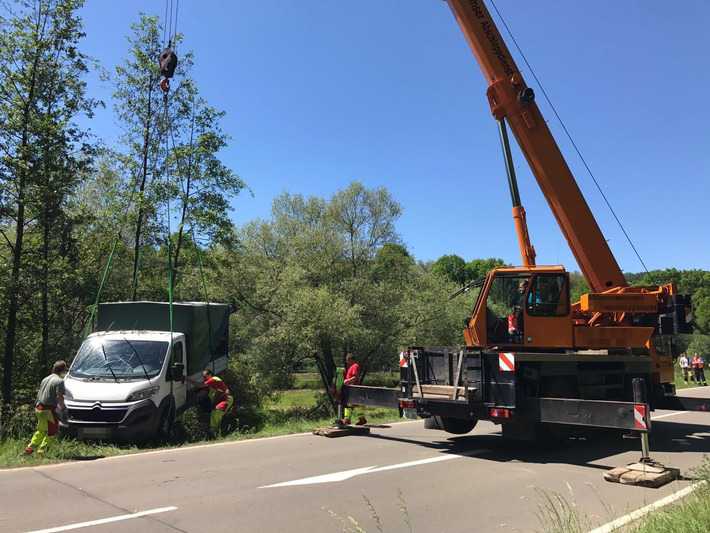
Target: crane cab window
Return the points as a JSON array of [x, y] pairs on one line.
[[548, 296], [505, 304]]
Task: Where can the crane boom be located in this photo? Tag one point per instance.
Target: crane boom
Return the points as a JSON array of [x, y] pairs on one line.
[[512, 100]]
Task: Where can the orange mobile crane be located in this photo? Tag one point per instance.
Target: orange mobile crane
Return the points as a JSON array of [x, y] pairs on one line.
[[533, 360]]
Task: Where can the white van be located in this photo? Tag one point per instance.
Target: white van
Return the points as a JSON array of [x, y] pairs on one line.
[[130, 379]]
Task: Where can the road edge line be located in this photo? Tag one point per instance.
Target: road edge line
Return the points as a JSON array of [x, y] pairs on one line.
[[643, 511]]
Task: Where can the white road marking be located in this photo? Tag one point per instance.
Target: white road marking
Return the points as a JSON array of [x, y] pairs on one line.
[[348, 474], [119, 518], [643, 511]]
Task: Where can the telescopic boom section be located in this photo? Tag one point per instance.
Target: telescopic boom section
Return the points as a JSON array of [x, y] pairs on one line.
[[512, 100]]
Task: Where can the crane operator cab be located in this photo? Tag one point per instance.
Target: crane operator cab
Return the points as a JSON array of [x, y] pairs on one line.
[[522, 306]]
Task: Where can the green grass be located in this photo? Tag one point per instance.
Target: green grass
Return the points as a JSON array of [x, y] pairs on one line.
[[311, 380], [691, 515], [292, 411], [557, 514], [292, 398], [63, 450], [307, 380], [680, 384]]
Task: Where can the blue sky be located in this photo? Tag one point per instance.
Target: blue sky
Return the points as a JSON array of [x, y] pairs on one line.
[[319, 93]]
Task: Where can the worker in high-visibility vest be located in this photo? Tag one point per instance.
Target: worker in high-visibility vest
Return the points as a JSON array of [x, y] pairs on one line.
[[351, 377], [49, 397], [221, 399], [698, 364]]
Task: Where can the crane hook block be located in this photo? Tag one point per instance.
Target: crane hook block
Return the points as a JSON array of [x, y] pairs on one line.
[[168, 62], [165, 85]]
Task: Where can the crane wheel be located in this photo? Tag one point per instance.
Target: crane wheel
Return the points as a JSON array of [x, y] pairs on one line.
[[456, 426]]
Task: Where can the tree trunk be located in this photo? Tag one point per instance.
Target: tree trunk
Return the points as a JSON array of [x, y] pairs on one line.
[[13, 304], [141, 190], [45, 289]]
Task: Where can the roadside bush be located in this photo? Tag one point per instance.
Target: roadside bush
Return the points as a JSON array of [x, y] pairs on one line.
[[192, 425], [244, 383], [322, 409], [21, 423]]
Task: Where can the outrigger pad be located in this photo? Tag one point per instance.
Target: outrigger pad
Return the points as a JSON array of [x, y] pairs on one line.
[[341, 431], [651, 475]]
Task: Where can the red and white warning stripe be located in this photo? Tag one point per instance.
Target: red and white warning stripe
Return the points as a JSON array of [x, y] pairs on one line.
[[640, 416], [506, 361]]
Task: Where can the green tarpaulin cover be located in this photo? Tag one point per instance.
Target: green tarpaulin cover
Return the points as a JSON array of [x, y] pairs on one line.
[[206, 326]]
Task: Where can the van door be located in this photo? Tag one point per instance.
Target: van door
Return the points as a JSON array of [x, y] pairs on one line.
[[179, 385]]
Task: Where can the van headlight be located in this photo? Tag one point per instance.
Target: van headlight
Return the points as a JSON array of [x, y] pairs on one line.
[[143, 394], [68, 395]]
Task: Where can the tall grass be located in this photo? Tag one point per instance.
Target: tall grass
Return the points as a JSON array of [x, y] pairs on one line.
[[557, 514], [691, 515]]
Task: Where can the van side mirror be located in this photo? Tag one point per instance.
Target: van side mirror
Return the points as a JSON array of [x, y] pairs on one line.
[[177, 372]]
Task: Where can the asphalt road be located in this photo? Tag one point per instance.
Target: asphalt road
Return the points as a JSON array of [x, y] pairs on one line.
[[476, 482]]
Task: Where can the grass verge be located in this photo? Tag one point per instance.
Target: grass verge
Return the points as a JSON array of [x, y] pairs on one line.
[[293, 411], [690, 515], [312, 380], [559, 514], [680, 383]]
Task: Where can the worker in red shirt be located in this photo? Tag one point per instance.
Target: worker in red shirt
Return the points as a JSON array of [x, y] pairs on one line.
[[698, 364], [221, 399], [352, 377]]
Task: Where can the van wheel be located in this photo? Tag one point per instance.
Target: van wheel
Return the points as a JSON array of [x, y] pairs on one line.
[[166, 428]]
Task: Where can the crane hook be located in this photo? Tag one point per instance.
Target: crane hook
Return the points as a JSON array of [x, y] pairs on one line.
[[168, 61]]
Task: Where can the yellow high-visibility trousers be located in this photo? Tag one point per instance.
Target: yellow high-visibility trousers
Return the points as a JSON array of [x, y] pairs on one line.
[[47, 427], [218, 413]]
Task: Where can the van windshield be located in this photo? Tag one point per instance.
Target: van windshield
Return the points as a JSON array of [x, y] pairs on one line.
[[119, 359]]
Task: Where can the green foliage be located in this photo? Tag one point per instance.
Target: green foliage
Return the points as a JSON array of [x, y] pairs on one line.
[[45, 154], [324, 277], [392, 264], [699, 344], [578, 286], [62, 450], [452, 268], [193, 425], [693, 282], [478, 268], [20, 423]]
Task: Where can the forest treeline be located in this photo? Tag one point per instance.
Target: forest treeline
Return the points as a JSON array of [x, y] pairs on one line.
[[82, 221]]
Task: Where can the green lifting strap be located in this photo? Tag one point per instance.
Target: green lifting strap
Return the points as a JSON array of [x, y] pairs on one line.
[[104, 277], [207, 299], [171, 278]]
